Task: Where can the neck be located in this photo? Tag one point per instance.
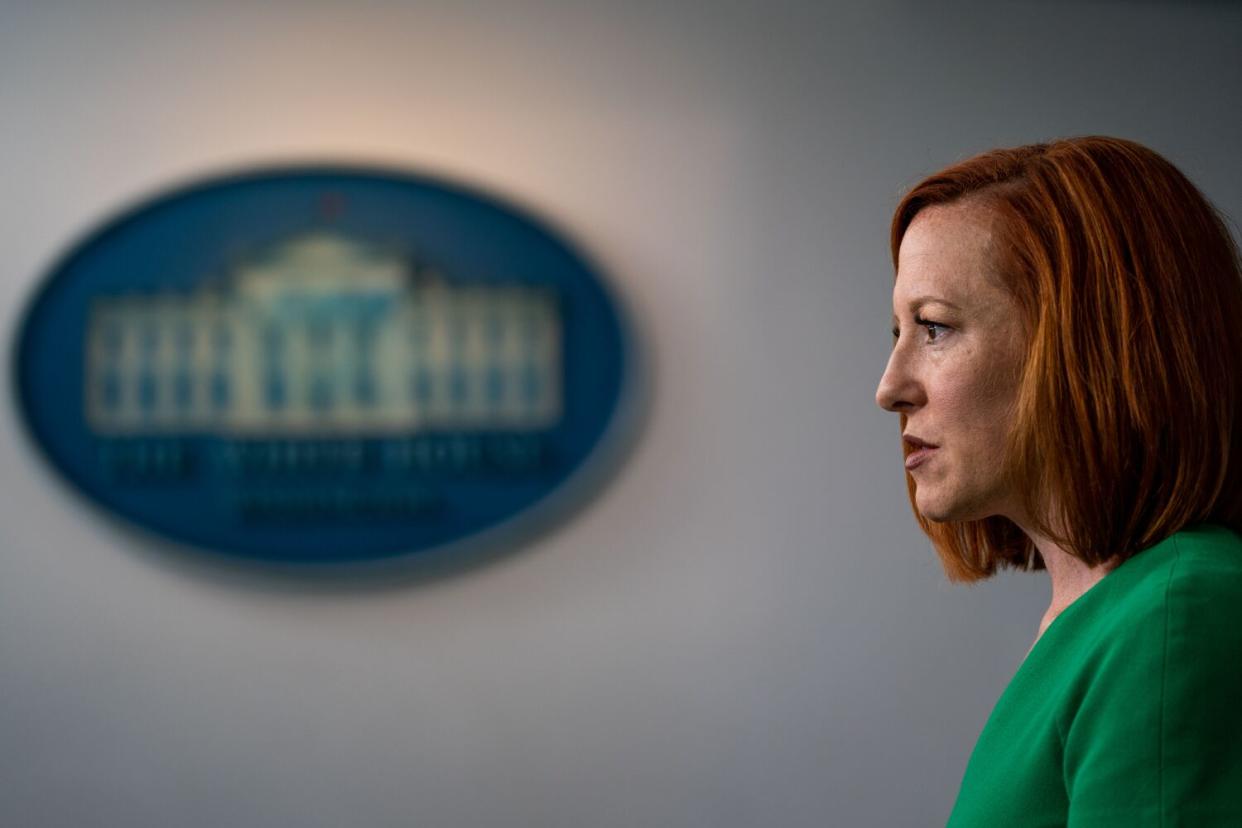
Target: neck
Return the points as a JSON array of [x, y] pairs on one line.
[[1070, 577]]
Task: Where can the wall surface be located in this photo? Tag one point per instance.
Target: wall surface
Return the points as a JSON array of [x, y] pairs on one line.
[[745, 627]]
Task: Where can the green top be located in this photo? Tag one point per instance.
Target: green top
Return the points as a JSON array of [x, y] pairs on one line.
[[1128, 710]]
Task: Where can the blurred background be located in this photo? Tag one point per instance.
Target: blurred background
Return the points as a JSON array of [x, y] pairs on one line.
[[745, 626]]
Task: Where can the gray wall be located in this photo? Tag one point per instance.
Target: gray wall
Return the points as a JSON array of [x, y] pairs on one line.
[[745, 627]]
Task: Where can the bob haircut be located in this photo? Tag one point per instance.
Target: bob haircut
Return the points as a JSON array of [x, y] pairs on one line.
[[1128, 418]]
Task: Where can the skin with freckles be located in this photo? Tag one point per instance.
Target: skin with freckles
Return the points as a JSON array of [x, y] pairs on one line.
[[954, 372], [955, 364]]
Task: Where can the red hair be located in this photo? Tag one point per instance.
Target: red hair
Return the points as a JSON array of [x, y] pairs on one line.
[[1129, 413]]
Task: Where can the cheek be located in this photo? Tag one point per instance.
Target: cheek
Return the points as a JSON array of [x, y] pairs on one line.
[[960, 394], [974, 407]]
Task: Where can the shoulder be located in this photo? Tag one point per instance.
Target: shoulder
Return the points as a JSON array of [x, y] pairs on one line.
[[1206, 560], [1162, 631], [1158, 718], [1202, 621], [1200, 715], [1169, 637], [1189, 582]]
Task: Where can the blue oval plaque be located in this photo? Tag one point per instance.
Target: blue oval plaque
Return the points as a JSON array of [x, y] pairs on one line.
[[320, 364]]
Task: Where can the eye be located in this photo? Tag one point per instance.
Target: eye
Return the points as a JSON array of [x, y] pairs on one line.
[[935, 330]]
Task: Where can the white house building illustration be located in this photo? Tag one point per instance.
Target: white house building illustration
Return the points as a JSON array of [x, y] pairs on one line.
[[325, 334]]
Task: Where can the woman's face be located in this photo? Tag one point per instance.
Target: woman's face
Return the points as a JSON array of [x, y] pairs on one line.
[[955, 364]]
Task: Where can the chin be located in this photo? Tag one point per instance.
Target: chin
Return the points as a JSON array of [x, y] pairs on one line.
[[937, 516], [944, 509], [932, 510]]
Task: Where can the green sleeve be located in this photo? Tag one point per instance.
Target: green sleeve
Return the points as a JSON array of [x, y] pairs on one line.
[[1157, 738]]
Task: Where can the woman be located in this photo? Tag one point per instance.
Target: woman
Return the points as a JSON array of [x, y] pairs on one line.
[[1067, 366]]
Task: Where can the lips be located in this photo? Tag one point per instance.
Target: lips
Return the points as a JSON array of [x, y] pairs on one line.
[[922, 451], [919, 456]]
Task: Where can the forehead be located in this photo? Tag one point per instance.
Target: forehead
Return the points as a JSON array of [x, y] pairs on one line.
[[947, 253]]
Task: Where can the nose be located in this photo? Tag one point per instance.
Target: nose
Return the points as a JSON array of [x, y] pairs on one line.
[[899, 389]]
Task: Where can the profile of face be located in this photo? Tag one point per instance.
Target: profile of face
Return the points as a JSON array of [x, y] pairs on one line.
[[955, 363]]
